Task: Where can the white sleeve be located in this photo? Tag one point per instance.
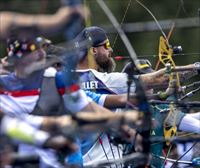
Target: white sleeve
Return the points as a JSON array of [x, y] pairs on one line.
[[102, 99], [22, 131], [33, 120], [76, 101], [15, 106]]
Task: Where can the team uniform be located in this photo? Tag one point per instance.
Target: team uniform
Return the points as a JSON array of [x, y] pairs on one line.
[[102, 83], [115, 83], [97, 147], [21, 96]]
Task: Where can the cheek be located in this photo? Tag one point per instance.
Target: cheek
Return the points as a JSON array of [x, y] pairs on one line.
[[103, 54], [101, 58]]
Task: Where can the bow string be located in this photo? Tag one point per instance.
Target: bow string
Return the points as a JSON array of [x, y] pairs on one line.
[[141, 96]]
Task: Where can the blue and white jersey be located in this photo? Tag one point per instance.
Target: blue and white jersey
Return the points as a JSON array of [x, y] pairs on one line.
[[97, 98], [19, 96], [92, 145], [104, 83]]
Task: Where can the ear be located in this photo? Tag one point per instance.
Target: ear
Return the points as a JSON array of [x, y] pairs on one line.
[[94, 50]]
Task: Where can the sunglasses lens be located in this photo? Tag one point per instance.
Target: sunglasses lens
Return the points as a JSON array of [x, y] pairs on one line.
[[107, 45]]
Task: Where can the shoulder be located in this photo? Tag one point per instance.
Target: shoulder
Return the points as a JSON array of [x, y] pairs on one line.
[[6, 79], [11, 82], [103, 75]]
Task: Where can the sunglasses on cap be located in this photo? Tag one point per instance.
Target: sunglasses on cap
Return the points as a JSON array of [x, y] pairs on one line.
[[106, 45], [144, 64]]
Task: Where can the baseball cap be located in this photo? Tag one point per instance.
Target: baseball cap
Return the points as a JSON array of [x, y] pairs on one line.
[[90, 36], [95, 35], [18, 48]]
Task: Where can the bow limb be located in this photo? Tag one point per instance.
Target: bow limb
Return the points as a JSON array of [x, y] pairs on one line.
[[164, 38], [165, 57], [117, 26], [142, 99], [157, 23]]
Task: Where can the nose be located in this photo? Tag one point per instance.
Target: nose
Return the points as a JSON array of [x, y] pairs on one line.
[[110, 50]]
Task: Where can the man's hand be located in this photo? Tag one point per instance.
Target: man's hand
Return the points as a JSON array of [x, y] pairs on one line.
[[129, 134], [61, 143]]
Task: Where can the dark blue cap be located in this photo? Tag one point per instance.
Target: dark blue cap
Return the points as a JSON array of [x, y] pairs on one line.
[[94, 35], [90, 36]]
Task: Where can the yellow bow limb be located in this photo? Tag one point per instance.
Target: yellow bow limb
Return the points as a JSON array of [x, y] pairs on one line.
[[165, 56], [170, 127]]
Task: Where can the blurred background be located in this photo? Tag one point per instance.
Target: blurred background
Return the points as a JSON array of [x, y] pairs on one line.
[[138, 24]]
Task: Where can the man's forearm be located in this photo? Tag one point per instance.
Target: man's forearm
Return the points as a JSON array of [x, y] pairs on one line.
[[157, 77], [45, 23], [162, 77]]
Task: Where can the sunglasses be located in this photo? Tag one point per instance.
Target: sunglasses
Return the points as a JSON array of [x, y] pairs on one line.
[[146, 64], [106, 45]]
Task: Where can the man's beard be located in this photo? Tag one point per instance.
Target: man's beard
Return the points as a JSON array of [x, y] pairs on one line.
[[107, 65]]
